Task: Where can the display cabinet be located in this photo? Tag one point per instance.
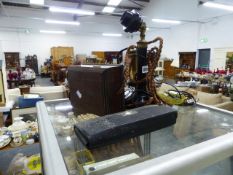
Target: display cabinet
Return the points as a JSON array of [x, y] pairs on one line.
[[32, 62], [12, 60], [201, 140], [187, 60]]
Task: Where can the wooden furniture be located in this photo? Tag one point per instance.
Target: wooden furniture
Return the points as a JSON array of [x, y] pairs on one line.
[[106, 56], [12, 60], [16, 83], [1, 120], [170, 71], [62, 57], [60, 54], [100, 55], [31, 62], [187, 60], [160, 68], [2, 90]]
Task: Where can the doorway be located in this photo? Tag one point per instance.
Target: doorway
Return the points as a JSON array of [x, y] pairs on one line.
[[204, 59]]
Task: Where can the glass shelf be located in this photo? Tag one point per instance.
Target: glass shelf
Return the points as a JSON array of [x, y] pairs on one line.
[[195, 124]]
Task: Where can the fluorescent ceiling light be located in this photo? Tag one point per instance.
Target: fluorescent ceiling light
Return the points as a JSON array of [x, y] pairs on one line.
[[114, 2], [166, 21], [62, 22], [108, 9], [112, 34], [37, 2], [53, 31], [71, 11], [218, 6]]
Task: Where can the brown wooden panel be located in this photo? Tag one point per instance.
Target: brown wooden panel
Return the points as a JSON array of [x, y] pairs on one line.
[[170, 71]]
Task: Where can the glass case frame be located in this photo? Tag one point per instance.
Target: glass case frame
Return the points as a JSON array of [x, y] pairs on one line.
[[180, 161]]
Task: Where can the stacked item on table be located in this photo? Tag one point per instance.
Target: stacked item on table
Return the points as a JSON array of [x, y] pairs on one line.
[[29, 100], [19, 133], [192, 84]]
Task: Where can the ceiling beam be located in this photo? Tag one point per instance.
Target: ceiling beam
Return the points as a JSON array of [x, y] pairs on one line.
[[100, 4], [5, 3], [75, 17]]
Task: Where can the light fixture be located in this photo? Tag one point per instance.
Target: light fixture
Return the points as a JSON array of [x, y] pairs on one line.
[[107, 9], [62, 22], [114, 2], [53, 31], [112, 34], [71, 11], [218, 6], [37, 2], [166, 21]]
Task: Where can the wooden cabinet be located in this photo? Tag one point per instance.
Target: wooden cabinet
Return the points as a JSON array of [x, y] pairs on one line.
[[187, 60], [62, 57], [12, 60], [99, 55], [170, 71], [107, 56], [160, 68], [60, 54], [31, 62]]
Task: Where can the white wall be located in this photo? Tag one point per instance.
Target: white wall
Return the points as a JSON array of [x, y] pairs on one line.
[[187, 37], [40, 44]]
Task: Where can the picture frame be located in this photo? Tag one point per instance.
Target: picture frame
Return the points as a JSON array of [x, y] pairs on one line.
[[25, 113]]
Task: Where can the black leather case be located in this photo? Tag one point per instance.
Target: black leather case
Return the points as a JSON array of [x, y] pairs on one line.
[[112, 128]]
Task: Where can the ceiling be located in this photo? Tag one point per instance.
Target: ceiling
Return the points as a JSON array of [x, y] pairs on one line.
[[19, 15]]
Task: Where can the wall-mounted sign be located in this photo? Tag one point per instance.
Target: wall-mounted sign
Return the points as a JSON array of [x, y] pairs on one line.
[[204, 40]]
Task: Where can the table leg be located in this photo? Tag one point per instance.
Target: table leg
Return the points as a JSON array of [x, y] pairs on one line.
[[10, 85], [147, 142], [1, 120]]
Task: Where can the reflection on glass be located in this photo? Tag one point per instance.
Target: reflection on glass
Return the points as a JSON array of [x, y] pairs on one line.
[[194, 124], [220, 168]]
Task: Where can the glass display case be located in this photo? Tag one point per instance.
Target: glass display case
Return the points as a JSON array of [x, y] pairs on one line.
[[199, 140]]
